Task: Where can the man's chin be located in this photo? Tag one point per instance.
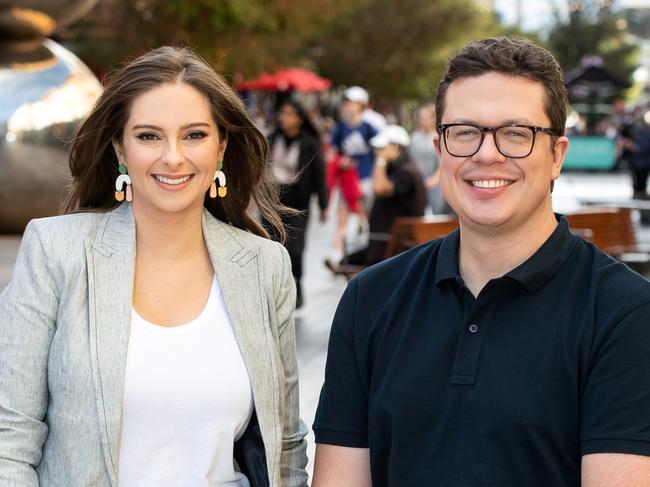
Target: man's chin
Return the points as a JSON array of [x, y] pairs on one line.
[[485, 221]]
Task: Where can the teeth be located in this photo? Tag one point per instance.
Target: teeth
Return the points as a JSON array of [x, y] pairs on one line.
[[173, 181], [492, 183]]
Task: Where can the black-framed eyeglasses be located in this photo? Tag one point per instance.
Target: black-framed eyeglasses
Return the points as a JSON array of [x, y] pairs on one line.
[[515, 141]]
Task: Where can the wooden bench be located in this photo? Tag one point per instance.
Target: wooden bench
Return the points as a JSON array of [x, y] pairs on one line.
[[406, 233], [610, 229], [409, 232]]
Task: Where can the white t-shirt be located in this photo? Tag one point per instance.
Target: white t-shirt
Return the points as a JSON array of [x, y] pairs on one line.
[[376, 119], [187, 398]]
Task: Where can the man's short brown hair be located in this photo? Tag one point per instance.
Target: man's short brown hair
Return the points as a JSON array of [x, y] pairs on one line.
[[510, 56]]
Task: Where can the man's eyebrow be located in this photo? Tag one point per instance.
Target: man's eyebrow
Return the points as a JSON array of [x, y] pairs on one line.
[[184, 127], [512, 121]]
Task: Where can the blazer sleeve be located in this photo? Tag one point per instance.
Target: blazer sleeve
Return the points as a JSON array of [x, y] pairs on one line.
[[293, 458], [28, 309]]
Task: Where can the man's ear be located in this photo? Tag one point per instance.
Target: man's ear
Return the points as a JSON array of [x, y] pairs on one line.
[[436, 143], [560, 149]]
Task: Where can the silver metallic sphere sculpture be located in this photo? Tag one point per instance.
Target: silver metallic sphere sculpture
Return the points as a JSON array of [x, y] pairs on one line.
[[45, 91]]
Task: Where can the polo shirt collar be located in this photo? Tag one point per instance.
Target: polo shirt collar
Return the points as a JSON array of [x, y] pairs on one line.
[[531, 274], [447, 264]]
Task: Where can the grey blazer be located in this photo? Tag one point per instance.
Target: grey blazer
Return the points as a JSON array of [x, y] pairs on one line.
[[64, 328]]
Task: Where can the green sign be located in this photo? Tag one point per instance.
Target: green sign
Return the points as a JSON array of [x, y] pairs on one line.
[[590, 152]]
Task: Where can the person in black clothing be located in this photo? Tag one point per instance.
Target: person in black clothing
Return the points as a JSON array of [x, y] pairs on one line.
[[398, 191], [511, 352], [298, 166], [639, 159]]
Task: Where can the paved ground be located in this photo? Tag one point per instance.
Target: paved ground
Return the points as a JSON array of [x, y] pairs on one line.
[[322, 290]]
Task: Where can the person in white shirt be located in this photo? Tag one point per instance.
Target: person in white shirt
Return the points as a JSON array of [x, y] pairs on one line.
[[147, 336]]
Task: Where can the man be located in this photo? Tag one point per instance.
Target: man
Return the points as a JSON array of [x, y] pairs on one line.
[[352, 134], [398, 191], [510, 353]]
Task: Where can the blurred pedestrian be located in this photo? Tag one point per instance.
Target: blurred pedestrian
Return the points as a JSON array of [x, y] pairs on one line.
[[398, 189], [639, 158], [298, 166], [350, 140], [147, 337], [425, 157]]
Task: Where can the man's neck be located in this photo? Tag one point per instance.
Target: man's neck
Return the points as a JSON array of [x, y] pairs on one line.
[[489, 254], [354, 122]]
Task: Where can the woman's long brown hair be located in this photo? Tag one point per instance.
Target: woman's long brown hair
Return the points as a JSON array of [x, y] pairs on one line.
[[94, 165]]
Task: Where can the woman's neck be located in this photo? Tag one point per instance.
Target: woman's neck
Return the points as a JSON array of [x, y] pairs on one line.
[[169, 235], [291, 133]]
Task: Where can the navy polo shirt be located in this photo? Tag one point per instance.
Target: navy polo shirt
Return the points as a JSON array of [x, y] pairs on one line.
[[548, 363]]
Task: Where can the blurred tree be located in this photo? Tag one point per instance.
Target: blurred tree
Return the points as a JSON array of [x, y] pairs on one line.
[[245, 36], [593, 28], [399, 49]]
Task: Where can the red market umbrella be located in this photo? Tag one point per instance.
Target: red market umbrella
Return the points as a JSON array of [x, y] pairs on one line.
[[292, 79], [265, 82]]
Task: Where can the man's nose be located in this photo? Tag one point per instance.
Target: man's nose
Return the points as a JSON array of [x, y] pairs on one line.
[[488, 152]]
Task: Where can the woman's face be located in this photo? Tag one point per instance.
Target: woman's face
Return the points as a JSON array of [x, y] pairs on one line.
[[290, 121], [171, 146]]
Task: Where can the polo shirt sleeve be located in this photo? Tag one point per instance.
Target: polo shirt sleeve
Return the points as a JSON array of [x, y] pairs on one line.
[[402, 182], [341, 417], [615, 409]]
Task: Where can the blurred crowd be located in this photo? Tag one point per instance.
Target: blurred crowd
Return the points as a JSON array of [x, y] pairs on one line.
[[368, 170], [362, 166]]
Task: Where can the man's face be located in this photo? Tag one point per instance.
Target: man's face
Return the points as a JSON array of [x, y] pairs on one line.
[[351, 111], [489, 189]]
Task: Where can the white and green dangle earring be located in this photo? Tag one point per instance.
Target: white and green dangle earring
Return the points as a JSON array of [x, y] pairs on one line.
[[221, 178], [123, 179]]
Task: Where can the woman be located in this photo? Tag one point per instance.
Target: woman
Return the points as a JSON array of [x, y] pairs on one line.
[[151, 341], [298, 165]]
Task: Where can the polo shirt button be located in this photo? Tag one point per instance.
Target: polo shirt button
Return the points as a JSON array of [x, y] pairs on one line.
[[473, 328]]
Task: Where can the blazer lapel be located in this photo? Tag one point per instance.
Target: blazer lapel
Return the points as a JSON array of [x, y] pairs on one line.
[[111, 263], [238, 274]]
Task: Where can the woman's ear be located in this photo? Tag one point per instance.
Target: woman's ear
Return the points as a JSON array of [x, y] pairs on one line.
[[222, 147], [118, 151]]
